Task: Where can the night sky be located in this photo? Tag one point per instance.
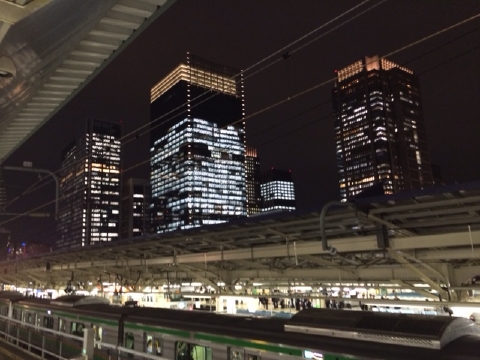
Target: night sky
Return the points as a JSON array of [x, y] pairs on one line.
[[298, 133]]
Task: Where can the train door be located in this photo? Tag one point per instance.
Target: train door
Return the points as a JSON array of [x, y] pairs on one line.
[[48, 322]]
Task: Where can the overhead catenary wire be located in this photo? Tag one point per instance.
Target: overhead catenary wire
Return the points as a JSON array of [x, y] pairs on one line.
[[314, 121], [271, 106], [273, 55], [263, 60]]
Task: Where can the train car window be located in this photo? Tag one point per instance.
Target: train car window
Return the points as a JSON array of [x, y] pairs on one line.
[[76, 328], [186, 351], [149, 349], [307, 354], [98, 332], [158, 346], [14, 313], [236, 354], [61, 325], [48, 322], [154, 345], [29, 318], [129, 340]]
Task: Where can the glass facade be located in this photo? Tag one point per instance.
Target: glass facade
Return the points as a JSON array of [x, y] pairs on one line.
[[197, 153], [252, 173], [89, 207], [277, 190], [379, 128]]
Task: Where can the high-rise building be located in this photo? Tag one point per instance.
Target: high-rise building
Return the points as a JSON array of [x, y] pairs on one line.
[[252, 176], [379, 128], [277, 190], [197, 152], [135, 204], [89, 207]]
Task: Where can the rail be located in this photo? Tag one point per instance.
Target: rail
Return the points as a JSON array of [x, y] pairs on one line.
[[48, 343]]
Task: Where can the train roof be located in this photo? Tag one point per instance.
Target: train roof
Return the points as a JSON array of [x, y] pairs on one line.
[[271, 331], [11, 295], [87, 307], [399, 329], [78, 300]]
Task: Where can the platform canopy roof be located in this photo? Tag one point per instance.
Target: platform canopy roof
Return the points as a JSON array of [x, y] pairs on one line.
[[50, 49], [430, 236]]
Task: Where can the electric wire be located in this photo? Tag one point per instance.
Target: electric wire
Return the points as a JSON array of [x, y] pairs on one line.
[[301, 93], [297, 95], [137, 134], [328, 101], [181, 107]]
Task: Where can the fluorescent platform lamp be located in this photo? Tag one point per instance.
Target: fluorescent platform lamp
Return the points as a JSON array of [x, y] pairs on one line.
[[7, 67]]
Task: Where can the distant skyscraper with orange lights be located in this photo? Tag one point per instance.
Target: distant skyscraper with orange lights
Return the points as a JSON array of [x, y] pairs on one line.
[[379, 128]]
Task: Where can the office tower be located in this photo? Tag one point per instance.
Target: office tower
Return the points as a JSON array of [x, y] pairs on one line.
[[197, 153], [135, 203], [379, 128], [277, 190], [89, 207], [252, 177]]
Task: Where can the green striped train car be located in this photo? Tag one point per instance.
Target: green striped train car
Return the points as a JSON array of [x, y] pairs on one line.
[[200, 335]]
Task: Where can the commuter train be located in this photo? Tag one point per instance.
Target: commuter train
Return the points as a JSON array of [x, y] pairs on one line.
[[201, 335]]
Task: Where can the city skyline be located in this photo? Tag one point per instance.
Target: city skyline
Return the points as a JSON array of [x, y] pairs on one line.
[[297, 134]]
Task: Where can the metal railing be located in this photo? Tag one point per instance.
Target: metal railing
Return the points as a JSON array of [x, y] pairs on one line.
[[56, 345]]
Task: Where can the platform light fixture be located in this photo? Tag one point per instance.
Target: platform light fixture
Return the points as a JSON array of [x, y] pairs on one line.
[[7, 67]]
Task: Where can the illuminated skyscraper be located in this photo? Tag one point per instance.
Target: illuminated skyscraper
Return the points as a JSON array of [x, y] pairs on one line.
[[197, 152], [252, 173], [89, 208], [277, 190], [135, 204], [379, 128]]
